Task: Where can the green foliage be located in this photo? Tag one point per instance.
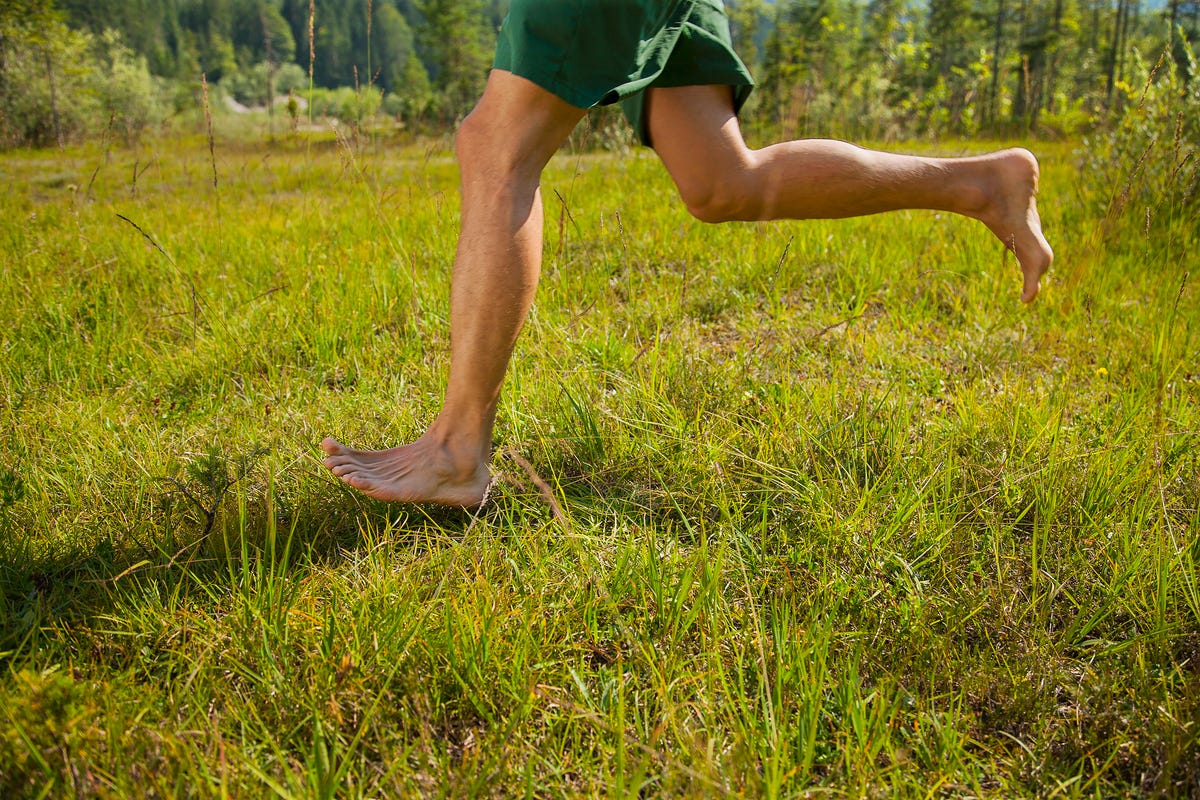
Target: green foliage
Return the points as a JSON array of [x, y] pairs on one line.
[[124, 89], [207, 478], [344, 104], [946, 67], [151, 28], [395, 49], [43, 89], [359, 106], [260, 33], [413, 90], [459, 45], [1147, 164], [953, 27], [58, 84], [252, 86], [850, 68]]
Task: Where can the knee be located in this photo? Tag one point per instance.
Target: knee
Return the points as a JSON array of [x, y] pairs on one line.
[[722, 197], [471, 141], [491, 159], [484, 163]]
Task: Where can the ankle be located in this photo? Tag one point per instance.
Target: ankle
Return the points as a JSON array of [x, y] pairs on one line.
[[975, 192], [466, 446]]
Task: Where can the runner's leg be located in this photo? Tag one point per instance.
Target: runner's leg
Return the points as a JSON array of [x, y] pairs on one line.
[[503, 145], [696, 134]]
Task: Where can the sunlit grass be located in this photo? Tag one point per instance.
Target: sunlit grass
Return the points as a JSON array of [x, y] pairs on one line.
[[830, 509]]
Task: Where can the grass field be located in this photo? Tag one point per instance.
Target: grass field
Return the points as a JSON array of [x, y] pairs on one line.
[[782, 510]]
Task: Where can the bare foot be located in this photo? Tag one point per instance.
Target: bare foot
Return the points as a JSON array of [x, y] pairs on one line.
[[425, 471], [1012, 215]]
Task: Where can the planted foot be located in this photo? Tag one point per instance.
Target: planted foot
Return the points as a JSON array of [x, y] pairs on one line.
[[426, 471], [1012, 215]]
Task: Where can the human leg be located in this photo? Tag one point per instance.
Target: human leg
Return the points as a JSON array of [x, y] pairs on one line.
[[697, 136], [502, 147]]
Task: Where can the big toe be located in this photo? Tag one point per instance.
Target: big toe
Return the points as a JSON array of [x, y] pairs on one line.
[[1035, 272], [1033, 282], [1032, 287]]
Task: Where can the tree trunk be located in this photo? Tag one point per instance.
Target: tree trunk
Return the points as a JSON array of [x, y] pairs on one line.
[[998, 42], [3, 67], [1131, 10], [1052, 67], [58, 136], [1024, 77], [270, 53], [1110, 80]]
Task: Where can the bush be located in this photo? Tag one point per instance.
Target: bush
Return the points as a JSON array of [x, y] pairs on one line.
[[1146, 161], [58, 84], [43, 90], [249, 87], [326, 102], [1073, 119], [360, 105], [345, 104], [393, 104], [127, 94]]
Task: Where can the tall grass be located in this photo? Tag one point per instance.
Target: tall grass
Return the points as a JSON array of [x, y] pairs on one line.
[[780, 509]]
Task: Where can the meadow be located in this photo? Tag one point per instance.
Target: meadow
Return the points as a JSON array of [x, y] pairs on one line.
[[781, 510]]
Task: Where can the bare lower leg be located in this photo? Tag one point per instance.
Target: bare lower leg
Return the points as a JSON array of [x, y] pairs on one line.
[[821, 178], [502, 146], [496, 271], [998, 189]]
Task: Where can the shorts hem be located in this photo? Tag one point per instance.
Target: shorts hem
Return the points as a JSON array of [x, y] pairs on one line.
[[547, 81]]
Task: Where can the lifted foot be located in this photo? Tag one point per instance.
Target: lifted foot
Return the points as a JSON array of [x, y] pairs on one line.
[[1012, 216]]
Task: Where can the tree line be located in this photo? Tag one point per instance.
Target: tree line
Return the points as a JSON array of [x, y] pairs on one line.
[[383, 43], [852, 67], [956, 66]]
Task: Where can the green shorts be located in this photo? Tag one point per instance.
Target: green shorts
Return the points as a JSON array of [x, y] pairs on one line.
[[596, 52]]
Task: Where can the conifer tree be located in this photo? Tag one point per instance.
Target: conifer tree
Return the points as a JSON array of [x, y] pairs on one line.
[[457, 45]]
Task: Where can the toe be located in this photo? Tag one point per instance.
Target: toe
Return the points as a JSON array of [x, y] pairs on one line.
[[1033, 284], [332, 446], [347, 477], [340, 465], [358, 482], [343, 470]]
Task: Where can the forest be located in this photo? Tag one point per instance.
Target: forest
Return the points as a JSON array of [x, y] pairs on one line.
[[866, 68]]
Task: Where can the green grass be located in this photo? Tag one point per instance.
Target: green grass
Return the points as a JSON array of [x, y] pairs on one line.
[[832, 512]]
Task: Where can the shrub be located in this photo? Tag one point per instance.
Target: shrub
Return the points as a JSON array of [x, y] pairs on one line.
[[1146, 161], [326, 102], [361, 105], [393, 104], [249, 86], [43, 90], [58, 84], [345, 104], [126, 93]]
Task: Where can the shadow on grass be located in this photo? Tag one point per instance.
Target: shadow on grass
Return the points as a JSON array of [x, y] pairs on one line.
[[187, 550]]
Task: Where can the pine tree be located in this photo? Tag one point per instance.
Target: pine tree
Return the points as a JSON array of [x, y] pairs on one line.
[[457, 45]]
